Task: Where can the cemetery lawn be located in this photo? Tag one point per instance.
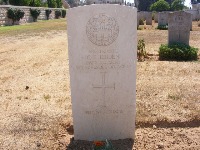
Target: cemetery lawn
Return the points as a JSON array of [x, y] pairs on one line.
[[36, 28], [35, 103]]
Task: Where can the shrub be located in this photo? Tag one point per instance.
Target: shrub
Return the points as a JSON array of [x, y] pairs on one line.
[[153, 15], [35, 3], [48, 12], [57, 14], [141, 22], [5, 1], [141, 52], [177, 5], [35, 13], [15, 14], [19, 2], [178, 52], [44, 4], [63, 13], [59, 3], [52, 3], [160, 5], [162, 27], [139, 28]]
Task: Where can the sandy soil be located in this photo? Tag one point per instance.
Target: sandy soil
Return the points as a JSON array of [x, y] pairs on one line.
[[35, 103]]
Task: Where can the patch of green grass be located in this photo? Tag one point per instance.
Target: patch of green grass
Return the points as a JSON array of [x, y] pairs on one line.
[[36, 27]]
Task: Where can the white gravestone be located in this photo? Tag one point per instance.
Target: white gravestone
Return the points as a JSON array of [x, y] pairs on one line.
[[102, 42], [179, 27], [156, 17], [148, 16], [163, 18], [144, 15]]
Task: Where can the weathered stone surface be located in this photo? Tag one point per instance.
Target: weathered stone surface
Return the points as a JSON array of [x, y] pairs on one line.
[[148, 16], [179, 27], [102, 43], [144, 15], [163, 18], [195, 13], [156, 17]]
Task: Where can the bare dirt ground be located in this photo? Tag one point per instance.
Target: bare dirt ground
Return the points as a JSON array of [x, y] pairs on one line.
[[35, 103]]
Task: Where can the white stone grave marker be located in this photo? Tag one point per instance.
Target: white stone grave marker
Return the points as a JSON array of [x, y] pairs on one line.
[[102, 44], [179, 27]]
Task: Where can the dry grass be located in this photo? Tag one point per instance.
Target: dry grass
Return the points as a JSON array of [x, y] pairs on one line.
[[37, 117], [168, 91]]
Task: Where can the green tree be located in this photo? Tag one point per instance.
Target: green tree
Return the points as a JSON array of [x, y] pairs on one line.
[[160, 5], [15, 14], [20, 2], [35, 3], [4, 1], [177, 5], [59, 3], [52, 3]]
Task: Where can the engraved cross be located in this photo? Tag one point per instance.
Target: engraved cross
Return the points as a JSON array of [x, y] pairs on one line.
[[103, 86]]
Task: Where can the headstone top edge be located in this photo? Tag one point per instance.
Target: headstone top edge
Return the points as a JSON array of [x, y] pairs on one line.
[[101, 5]]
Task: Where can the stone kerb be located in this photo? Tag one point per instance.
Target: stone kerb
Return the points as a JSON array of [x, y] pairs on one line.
[[27, 16]]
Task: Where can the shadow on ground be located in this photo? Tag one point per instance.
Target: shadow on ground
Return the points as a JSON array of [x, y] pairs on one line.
[[125, 144], [194, 122]]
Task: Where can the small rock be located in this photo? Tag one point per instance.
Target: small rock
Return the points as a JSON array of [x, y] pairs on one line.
[[154, 127], [160, 145], [27, 87], [38, 144]]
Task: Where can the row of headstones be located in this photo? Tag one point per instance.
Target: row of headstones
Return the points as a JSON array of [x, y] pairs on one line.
[[195, 14], [144, 15], [27, 16], [103, 68], [160, 17], [163, 18]]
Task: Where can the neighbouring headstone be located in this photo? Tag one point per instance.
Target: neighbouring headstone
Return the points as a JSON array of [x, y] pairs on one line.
[[138, 19], [148, 17], [140, 16], [156, 17], [144, 15], [163, 18], [179, 27], [102, 42]]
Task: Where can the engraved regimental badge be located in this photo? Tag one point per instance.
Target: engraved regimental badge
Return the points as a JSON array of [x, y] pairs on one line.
[[102, 30]]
